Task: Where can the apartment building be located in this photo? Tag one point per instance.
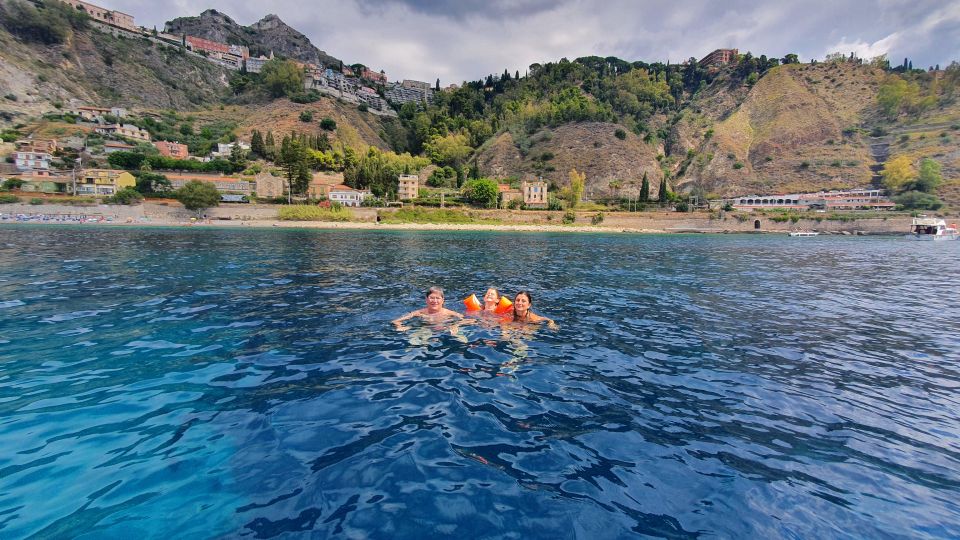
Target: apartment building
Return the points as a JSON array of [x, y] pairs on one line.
[[409, 187]]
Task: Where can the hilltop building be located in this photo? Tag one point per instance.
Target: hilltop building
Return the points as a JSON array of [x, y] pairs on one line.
[[105, 16], [129, 131], [720, 57], [409, 187], [96, 114], [233, 56], [409, 91]]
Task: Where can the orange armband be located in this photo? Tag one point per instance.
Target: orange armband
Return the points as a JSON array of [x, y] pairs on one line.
[[472, 303], [504, 306]]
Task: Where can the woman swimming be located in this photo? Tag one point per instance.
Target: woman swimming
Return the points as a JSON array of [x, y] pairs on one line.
[[521, 310]]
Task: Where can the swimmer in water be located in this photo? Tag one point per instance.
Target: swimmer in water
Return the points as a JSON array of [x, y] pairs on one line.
[[522, 313], [434, 312]]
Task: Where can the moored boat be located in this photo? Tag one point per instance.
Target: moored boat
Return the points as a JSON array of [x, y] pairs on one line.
[[924, 228], [804, 233]]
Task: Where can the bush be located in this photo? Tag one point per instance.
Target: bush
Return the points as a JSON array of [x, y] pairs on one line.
[[127, 195], [12, 183], [805, 165], [310, 96], [328, 124], [682, 206], [878, 132], [363, 107], [569, 217], [36, 201], [620, 134], [303, 212], [306, 116], [515, 204], [6, 198], [482, 192], [916, 200], [11, 97], [597, 219], [553, 203], [738, 165]]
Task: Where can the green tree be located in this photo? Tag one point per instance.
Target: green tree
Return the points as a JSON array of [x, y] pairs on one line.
[[281, 77], [257, 149], [198, 196], [663, 194], [482, 192], [450, 150], [930, 176], [151, 182], [270, 147], [126, 196], [577, 185], [294, 159], [238, 157], [645, 189], [916, 200]]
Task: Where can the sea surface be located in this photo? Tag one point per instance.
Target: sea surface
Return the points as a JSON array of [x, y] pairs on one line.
[[205, 383]]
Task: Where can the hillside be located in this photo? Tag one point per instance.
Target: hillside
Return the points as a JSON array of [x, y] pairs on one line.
[[97, 68], [269, 34]]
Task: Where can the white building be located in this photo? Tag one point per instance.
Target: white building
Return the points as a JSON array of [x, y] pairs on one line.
[[224, 150], [348, 196]]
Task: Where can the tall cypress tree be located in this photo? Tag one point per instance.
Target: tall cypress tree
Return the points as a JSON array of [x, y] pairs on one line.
[[270, 147], [256, 145], [662, 193], [645, 189]]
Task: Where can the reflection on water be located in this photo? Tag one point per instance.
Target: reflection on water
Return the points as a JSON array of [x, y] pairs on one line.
[[248, 383]]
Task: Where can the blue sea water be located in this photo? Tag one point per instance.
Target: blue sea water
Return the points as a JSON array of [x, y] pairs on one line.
[[204, 383]]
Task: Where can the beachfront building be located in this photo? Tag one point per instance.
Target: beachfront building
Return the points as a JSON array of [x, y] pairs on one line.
[[408, 187], [105, 16], [348, 196], [172, 149], [854, 199], [534, 193], [508, 194], [129, 131], [103, 181]]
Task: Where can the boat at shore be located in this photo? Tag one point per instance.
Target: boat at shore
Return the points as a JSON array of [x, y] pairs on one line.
[[924, 228], [804, 233]]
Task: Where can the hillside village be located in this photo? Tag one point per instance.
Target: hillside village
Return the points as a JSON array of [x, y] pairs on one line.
[[112, 148]]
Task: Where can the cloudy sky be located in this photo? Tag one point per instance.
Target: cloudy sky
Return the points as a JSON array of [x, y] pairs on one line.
[[467, 39]]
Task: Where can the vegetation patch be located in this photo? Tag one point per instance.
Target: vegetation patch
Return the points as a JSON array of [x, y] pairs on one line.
[[432, 215], [304, 212]]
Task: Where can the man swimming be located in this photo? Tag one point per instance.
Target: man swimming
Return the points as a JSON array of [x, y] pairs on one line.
[[434, 312]]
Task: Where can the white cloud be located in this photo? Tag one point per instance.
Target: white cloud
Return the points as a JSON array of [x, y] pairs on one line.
[[423, 39]]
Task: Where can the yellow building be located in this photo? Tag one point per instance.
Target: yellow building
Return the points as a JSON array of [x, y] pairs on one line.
[[103, 181], [408, 187]]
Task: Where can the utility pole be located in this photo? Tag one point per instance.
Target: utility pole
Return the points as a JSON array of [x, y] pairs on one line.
[[76, 165]]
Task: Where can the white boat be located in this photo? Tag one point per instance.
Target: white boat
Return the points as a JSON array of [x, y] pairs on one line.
[[924, 228], [803, 233]]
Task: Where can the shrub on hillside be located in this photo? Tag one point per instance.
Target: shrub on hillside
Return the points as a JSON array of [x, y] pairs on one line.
[[6, 198], [328, 124], [306, 116], [569, 217], [36, 201]]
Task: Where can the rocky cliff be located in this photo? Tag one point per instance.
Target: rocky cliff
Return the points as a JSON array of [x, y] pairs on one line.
[[269, 34]]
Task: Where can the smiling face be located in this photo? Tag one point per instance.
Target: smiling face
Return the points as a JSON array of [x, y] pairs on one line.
[[434, 302], [490, 299], [521, 304]]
